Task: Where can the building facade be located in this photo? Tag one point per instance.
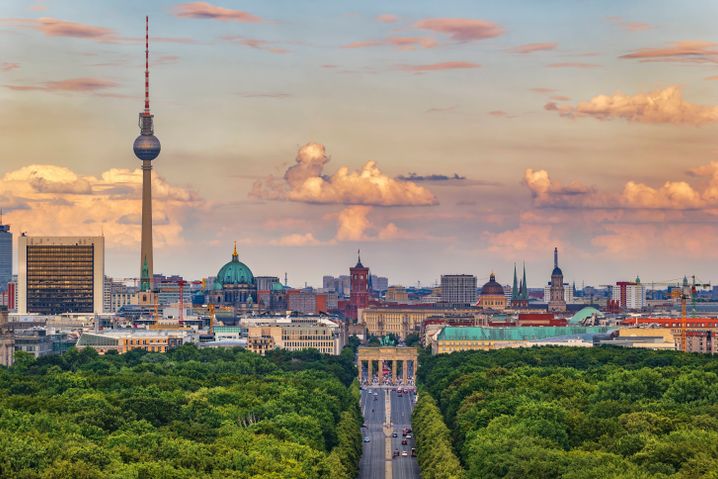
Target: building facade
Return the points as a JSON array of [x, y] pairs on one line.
[[492, 295], [61, 274], [402, 321], [359, 289], [5, 255], [557, 291], [122, 341], [629, 295], [458, 289], [295, 333]]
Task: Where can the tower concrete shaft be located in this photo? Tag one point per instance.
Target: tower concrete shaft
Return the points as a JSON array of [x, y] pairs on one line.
[[146, 256]]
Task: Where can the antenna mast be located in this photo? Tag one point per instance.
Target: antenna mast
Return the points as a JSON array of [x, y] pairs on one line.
[[147, 65]]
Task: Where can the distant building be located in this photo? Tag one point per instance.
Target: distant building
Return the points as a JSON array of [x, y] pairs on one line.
[[396, 294], [519, 291], [557, 300], [379, 283], [403, 320], [61, 274], [124, 340], [629, 295], [568, 295], [340, 285], [307, 301], [492, 295], [458, 289], [5, 255], [359, 289], [295, 333]]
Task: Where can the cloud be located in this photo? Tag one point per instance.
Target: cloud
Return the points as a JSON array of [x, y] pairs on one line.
[[305, 182], [84, 84], [462, 29], [54, 27], [254, 43], [542, 90], [297, 239], [660, 106], [442, 109], [9, 66], [387, 18], [546, 192], [50, 199], [435, 177], [534, 47], [630, 26], [525, 241], [580, 65], [353, 224], [431, 67], [499, 114], [403, 43], [206, 10], [691, 51]]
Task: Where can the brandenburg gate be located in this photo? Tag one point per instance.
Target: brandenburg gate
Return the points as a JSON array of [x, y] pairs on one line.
[[407, 356]]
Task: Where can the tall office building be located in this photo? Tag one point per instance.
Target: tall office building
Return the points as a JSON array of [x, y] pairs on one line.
[[146, 148], [458, 289], [5, 255], [60, 274]]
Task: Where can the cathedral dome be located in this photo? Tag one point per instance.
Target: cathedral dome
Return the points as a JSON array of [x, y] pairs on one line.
[[492, 287], [235, 272]]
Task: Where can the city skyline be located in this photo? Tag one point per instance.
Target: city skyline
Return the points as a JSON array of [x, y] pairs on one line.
[[472, 138]]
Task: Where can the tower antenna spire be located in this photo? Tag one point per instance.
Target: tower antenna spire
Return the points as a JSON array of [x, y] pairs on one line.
[[147, 65], [555, 257]]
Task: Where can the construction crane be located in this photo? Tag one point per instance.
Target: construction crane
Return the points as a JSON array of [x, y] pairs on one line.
[[687, 291]]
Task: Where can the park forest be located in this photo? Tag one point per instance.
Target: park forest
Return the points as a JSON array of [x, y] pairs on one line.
[[189, 413], [569, 413]]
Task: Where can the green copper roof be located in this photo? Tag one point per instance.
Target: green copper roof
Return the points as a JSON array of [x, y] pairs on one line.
[[586, 312], [515, 333], [235, 272]]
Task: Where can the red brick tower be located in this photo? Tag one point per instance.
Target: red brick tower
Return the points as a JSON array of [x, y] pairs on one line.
[[359, 288]]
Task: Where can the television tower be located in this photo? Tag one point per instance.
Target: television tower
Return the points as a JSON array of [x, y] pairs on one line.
[[146, 148]]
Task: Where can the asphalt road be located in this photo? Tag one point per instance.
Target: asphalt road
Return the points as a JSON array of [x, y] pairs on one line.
[[374, 458], [401, 409]]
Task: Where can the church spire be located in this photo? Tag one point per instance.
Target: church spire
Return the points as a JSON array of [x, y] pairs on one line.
[[234, 253], [515, 289], [524, 286]]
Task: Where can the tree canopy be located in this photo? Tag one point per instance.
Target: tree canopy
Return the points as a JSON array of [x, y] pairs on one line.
[[574, 413], [189, 413]]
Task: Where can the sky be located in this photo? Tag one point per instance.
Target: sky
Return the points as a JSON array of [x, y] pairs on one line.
[[437, 137]]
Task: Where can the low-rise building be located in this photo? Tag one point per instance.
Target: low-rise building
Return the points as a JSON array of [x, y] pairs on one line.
[[124, 340], [295, 333], [404, 320]]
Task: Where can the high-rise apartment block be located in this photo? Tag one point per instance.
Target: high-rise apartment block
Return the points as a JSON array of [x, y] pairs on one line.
[[61, 274], [458, 289]]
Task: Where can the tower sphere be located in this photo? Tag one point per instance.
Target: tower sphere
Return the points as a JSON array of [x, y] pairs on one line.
[[146, 147]]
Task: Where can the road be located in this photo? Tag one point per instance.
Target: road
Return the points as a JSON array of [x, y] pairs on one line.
[[377, 461]]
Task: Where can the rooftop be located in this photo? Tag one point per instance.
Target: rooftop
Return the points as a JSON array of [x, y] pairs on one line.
[[516, 333]]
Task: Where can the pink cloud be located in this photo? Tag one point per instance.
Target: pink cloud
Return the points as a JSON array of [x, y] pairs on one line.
[[208, 11], [72, 85], [54, 27], [387, 18], [8, 66], [297, 239], [572, 65], [527, 241], [462, 29], [630, 26], [255, 43], [692, 51], [455, 65], [712, 77], [542, 90], [660, 106], [499, 114], [306, 182], [403, 43], [534, 47]]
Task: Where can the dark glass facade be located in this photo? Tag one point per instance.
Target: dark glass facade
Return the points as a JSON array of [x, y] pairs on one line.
[[5, 256], [60, 279]]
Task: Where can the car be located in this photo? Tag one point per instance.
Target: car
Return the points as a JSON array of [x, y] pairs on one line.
[[400, 395], [376, 399], [363, 425], [404, 442], [413, 452], [396, 453], [366, 439], [408, 436], [394, 434], [404, 453]]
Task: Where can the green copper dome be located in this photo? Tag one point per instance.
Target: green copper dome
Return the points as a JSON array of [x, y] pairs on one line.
[[277, 286], [235, 272]]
